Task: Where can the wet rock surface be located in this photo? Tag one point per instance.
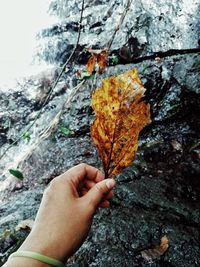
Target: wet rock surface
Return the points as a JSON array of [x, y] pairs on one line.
[[148, 27], [160, 193]]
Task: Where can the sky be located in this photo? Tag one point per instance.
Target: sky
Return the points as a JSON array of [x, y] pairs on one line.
[[20, 20]]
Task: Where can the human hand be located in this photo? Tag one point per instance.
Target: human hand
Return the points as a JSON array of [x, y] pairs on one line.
[[66, 211]]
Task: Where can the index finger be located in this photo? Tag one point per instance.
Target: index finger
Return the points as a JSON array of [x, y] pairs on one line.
[[78, 173]]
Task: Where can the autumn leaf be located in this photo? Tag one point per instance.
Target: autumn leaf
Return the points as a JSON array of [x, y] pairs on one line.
[[120, 116], [91, 64], [97, 57], [157, 251], [101, 61]]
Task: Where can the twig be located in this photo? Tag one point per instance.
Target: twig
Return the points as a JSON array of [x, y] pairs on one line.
[[51, 127], [128, 3], [75, 47], [52, 88], [160, 54], [109, 44]]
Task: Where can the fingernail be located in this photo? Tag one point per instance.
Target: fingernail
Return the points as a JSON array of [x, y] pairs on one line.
[[110, 183]]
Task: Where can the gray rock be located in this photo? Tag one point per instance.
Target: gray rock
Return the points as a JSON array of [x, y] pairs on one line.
[[159, 194], [148, 27]]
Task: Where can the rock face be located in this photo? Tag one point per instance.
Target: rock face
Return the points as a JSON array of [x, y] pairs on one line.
[[149, 26], [160, 193]]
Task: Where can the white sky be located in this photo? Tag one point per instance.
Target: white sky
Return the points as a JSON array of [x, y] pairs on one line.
[[19, 22]]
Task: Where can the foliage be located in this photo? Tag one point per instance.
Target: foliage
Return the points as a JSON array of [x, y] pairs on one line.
[[65, 130], [26, 136], [85, 75], [144, 69], [114, 59], [16, 173], [120, 116]]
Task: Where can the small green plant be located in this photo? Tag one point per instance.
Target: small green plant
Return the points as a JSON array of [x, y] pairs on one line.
[[17, 173], [27, 136], [87, 76], [114, 59], [65, 130], [144, 69]]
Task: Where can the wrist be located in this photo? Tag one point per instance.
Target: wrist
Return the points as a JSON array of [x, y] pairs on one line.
[[43, 246], [24, 262]]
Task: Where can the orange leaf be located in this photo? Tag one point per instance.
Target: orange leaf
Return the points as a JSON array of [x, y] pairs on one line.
[[157, 251], [120, 116], [101, 60], [91, 63], [78, 73], [99, 57]]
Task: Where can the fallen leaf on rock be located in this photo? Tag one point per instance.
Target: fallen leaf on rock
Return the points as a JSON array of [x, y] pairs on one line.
[[25, 225], [120, 116], [157, 251], [98, 57]]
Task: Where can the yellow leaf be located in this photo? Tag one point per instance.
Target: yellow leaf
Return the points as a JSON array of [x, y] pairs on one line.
[[120, 116]]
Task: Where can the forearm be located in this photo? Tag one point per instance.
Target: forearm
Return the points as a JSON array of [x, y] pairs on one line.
[[64, 217], [33, 243], [24, 262]]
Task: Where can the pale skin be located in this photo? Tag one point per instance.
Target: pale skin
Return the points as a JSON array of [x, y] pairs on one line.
[[65, 214]]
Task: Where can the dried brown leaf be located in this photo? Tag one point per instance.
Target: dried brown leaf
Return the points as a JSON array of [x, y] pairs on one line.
[[98, 57], [25, 225], [157, 251], [91, 64], [101, 60]]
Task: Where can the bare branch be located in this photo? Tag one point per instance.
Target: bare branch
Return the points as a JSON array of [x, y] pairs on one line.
[[128, 3], [51, 128]]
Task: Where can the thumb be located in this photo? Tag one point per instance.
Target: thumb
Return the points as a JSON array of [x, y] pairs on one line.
[[98, 191]]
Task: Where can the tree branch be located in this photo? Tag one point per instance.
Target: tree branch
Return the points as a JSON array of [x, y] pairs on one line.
[[160, 54], [128, 3]]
